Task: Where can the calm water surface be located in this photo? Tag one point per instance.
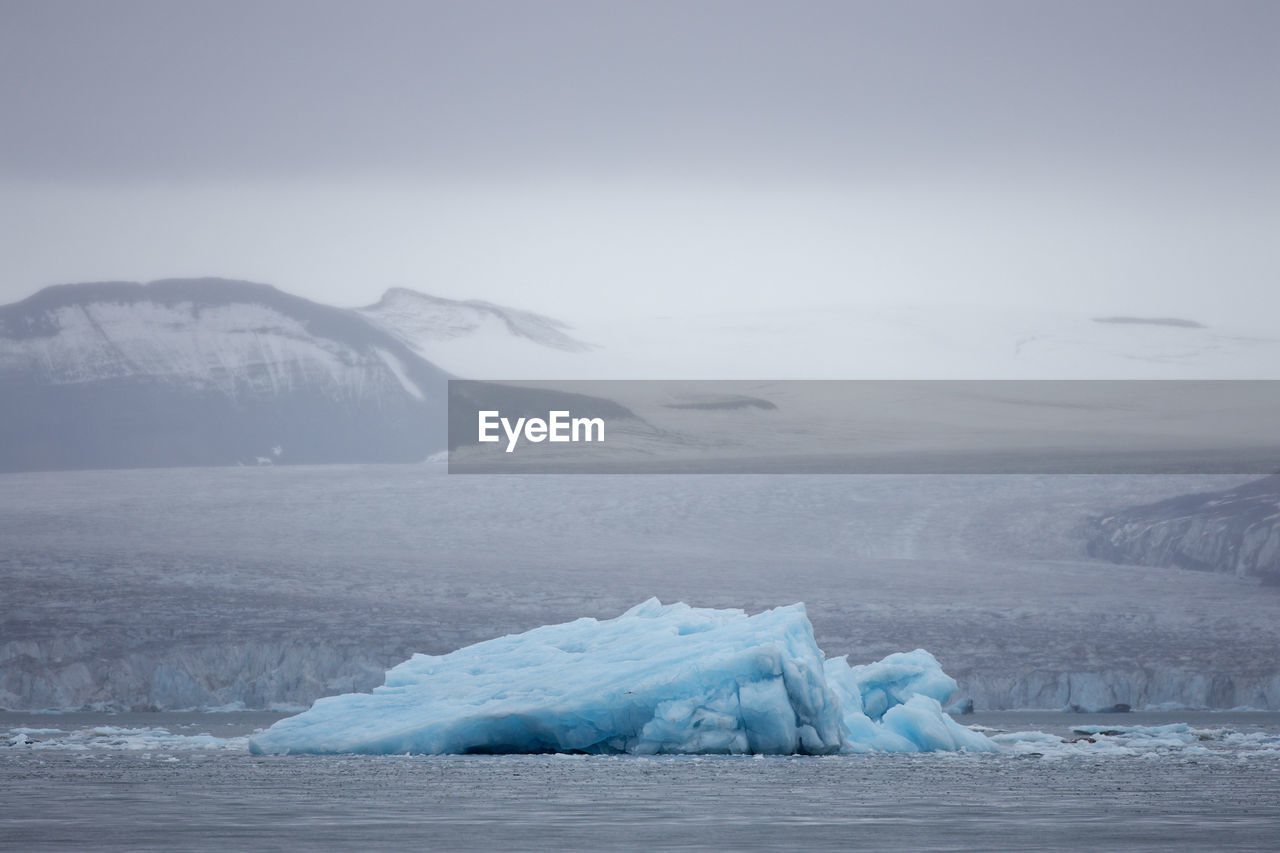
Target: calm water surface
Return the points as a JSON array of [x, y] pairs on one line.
[[151, 781]]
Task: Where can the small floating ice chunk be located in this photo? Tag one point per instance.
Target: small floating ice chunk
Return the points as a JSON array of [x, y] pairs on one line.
[[657, 679], [121, 738]]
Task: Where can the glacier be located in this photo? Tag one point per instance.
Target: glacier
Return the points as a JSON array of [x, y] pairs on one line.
[[659, 679]]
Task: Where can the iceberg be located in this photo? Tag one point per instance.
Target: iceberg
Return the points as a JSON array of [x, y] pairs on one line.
[[659, 679]]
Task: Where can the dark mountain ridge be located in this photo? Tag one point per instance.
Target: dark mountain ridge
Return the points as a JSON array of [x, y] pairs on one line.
[[206, 372]]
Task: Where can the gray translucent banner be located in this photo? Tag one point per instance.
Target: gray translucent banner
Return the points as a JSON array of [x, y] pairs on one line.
[[864, 427]]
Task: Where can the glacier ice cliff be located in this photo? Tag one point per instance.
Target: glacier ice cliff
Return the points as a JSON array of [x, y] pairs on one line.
[[657, 679]]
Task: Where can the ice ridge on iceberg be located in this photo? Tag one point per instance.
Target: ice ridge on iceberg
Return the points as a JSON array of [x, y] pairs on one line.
[[657, 679]]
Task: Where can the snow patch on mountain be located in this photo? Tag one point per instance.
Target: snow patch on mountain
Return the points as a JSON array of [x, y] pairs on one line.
[[236, 349], [236, 346], [397, 369], [472, 337]]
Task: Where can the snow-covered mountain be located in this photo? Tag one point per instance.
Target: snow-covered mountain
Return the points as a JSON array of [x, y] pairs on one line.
[[205, 372], [1235, 531]]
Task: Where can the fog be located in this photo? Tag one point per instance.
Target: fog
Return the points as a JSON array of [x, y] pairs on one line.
[[589, 159]]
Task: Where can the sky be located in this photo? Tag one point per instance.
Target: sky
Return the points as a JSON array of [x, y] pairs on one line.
[[609, 158]]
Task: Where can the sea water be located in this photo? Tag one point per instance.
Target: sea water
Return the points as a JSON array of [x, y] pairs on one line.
[[116, 782]]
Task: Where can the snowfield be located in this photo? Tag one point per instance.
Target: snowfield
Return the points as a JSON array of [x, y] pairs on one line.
[[838, 341]]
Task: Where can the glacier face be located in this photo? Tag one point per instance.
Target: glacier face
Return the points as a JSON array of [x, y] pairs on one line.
[[657, 679]]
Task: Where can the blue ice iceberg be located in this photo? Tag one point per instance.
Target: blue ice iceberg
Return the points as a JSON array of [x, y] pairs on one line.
[[657, 679]]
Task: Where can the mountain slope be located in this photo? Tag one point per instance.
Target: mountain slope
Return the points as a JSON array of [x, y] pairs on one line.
[[1235, 531], [478, 339], [206, 372]]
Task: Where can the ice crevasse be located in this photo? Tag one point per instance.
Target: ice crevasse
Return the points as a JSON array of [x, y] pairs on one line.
[[657, 679]]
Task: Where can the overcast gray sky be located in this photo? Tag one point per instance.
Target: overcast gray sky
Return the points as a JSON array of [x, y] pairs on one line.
[[590, 157]]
